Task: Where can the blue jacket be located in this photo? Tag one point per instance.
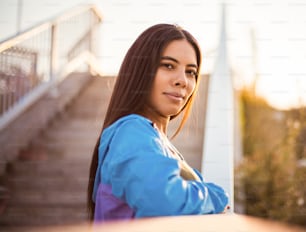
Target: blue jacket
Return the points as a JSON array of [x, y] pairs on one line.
[[137, 177]]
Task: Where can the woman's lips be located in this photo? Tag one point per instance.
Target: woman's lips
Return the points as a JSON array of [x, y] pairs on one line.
[[175, 96]]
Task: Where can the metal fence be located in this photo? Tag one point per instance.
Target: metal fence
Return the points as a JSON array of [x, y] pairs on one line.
[[35, 60]]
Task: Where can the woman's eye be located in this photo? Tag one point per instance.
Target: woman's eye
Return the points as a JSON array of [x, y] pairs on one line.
[[191, 73], [168, 66]]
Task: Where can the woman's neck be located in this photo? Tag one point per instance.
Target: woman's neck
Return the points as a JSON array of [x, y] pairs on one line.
[[161, 122]]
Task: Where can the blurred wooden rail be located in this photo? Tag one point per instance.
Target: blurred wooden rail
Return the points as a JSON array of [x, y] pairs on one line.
[[203, 223]]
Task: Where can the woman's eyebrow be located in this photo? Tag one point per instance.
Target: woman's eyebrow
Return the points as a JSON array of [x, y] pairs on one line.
[[170, 58], [176, 61]]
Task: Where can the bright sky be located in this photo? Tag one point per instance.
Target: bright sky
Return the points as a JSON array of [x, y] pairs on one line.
[[278, 27]]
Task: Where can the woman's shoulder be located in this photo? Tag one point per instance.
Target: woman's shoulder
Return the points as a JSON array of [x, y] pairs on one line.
[[132, 132], [132, 125], [134, 118], [133, 122]]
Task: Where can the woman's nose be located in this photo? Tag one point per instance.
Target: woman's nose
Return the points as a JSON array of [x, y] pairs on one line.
[[181, 79]]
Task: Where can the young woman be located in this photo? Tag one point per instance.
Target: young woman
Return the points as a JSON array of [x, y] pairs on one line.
[[136, 171]]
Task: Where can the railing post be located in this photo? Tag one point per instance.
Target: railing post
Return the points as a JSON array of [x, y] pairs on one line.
[[92, 35], [53, 58]]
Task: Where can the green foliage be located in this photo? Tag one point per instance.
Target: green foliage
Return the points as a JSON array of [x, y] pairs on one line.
[[269, 183], [263, 128]]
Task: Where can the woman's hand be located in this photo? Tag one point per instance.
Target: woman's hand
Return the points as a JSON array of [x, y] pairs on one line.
[[187, 173]]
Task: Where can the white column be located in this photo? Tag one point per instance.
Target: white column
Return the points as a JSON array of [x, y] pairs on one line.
[[218, 151]]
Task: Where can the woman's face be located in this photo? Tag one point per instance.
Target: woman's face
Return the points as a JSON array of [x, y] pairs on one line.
[[175, 79]]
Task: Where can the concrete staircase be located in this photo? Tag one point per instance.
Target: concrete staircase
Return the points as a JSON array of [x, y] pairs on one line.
[[48, 184]]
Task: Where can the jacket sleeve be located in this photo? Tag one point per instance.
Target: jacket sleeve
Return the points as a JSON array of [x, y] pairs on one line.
[[142, 175]]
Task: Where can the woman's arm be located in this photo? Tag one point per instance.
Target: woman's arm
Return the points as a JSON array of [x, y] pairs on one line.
[[142, 175]]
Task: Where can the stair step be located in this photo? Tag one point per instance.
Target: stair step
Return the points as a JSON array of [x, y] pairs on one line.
[[61, 150], [43, 216], [48, 182], [77, 124], [62, 167], [56, 197], [66, 144], [87, 133]]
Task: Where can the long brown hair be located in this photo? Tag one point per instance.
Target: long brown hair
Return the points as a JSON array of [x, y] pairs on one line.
[[135, 80]]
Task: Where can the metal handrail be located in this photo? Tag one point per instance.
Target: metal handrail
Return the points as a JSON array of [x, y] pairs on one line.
[[56, 47]]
